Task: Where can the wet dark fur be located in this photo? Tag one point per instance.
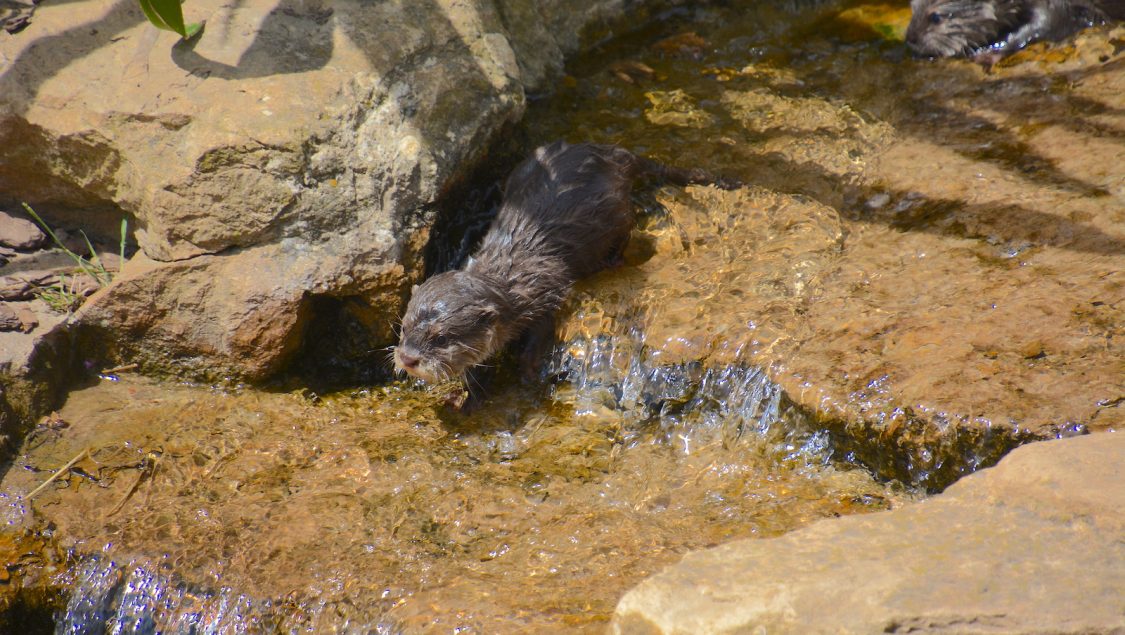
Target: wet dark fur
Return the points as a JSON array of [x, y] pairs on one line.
[[566, 214], [992, 29]]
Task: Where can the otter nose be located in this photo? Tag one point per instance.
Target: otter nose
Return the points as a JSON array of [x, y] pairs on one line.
[[407, 360]]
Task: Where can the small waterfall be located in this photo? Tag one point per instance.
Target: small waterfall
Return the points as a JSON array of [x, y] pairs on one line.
[[687, 403], [108, 598]]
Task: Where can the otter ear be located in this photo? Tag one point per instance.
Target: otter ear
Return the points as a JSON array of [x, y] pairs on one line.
[[497, 331], [488, 316]]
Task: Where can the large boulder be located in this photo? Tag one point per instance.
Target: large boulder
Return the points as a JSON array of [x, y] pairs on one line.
[[289, 152], [1032, 545]]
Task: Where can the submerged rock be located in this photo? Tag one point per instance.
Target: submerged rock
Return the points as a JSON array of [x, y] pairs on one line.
[[1032, 545], [930, 271], [881, 336]]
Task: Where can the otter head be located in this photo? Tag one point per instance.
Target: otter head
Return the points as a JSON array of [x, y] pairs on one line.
[[452, 322], [944, 28]]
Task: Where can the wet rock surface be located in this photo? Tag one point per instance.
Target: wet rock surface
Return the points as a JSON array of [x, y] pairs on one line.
[[29, 596], [1032, 545], [941, 278]]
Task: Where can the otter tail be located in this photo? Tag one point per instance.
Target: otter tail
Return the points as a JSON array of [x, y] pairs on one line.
[[684, 176]]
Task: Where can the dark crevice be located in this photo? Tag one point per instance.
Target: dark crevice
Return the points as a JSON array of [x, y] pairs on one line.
[[338, 349]]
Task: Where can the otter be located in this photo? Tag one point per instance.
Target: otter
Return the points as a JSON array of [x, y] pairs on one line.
[[566, 214], [988, 30]]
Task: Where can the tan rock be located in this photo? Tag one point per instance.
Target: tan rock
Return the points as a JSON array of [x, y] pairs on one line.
[[252, 331], [314, 133], [19, 233], [9, 320], [1032, 545]]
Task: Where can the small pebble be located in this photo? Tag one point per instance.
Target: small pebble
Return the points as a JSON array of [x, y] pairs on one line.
[[9, 321], [879, 200], [1033, 350]]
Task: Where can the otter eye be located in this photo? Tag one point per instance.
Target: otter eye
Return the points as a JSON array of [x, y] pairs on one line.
[[935, 18], [439, 340]]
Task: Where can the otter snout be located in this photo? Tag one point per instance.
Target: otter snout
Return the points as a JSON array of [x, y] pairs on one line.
[[412, 363], [405, 361]]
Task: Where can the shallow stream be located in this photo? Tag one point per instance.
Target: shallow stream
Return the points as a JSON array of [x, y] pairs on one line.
[[654, 429]]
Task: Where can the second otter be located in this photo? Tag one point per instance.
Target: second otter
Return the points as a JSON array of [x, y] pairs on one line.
[[566, 214], [991, 29]]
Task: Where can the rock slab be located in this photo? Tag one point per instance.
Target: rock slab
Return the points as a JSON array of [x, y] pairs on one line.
[[19, 233], [1033, 545]]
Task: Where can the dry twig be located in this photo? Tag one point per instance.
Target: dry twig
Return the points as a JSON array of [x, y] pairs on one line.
[[81, 455]]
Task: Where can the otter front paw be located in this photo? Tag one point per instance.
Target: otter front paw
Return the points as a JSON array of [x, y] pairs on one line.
[[456, 399], [988, 57]]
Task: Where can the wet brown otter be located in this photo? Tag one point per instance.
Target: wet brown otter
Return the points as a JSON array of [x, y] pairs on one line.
[[988, 30], [566, 214]]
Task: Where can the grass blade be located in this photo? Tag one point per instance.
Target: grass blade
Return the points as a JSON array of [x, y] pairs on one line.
[[92, 267], [79, 260], [121, 248]]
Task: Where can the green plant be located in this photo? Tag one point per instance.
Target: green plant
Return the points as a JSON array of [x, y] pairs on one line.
[[60, 297], [63, 297], [121, 243], [167, 15]]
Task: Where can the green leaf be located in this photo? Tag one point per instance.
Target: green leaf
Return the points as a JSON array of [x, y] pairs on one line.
[[171, 13], [193, 29], [153, 16], [887, 31], [168, 15]]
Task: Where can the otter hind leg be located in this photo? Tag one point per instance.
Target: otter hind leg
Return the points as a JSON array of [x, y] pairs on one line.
[[616, 257], [535, 343], [684, 176]]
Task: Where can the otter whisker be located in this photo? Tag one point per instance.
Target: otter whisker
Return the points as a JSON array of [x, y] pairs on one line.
[[469, 378], [389, 350]]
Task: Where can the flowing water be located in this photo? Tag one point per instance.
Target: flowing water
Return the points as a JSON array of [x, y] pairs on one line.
[[655, 428], [255, 512]]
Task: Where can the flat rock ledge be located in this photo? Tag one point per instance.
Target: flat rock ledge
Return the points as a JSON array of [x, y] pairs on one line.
[[1032, 545]]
